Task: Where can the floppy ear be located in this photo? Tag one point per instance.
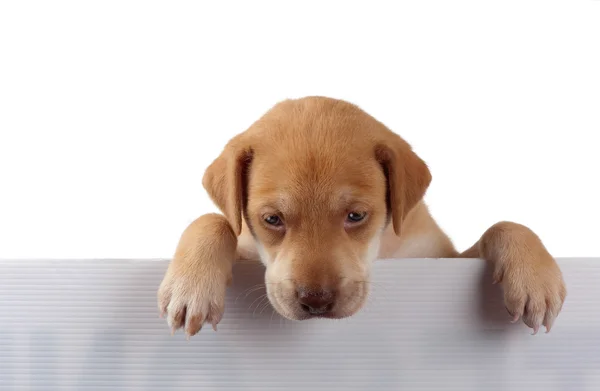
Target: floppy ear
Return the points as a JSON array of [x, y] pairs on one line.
[[225, 180], [407, 175]]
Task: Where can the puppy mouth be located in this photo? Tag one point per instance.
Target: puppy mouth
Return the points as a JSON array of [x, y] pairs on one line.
[[295, 311]]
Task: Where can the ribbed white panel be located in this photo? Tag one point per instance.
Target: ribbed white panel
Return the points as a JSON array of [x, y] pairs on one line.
[[430, 325]]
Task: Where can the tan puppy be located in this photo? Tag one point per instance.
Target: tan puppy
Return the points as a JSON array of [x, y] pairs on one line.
[[317, 189]]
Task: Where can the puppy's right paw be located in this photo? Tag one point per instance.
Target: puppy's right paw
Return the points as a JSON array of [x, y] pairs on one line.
[[191, 299]]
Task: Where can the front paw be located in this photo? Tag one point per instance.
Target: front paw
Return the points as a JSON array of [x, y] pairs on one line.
[[534, 289], [189, 299]]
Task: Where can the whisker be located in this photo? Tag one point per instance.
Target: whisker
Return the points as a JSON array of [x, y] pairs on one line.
[[280, 281], [259, 303], [375, 284], [261, 297], [249, 291], [267, 304], [272, 315]]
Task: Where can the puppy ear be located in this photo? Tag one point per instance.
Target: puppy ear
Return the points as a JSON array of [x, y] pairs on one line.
[[407, 175], [225, 180]]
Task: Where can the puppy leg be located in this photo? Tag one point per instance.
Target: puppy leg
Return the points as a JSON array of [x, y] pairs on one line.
[[193, 290], [534, 289]]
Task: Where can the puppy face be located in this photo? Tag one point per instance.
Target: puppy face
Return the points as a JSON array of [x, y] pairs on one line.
[[317, 180], [317, 218]]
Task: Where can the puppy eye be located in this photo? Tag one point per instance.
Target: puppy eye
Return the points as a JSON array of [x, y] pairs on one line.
[[355, 217], [273, 220]]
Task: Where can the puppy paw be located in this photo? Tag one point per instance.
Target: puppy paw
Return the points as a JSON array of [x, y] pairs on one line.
[[534, 289], [191, 299]]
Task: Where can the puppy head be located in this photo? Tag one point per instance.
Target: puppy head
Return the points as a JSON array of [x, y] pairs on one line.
[[317, 180]]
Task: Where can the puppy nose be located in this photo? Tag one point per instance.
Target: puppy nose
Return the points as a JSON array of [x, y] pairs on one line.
[[316, 302]]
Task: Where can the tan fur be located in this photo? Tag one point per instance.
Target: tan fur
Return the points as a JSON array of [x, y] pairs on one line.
[[311, 162]]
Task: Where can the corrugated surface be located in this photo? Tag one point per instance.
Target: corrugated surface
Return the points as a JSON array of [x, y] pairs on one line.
[[430, 324]]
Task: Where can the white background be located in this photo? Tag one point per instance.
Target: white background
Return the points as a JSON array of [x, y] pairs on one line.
[[110, 111]]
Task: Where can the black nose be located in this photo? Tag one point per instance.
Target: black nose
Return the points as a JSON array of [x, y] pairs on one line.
[[316, 302]]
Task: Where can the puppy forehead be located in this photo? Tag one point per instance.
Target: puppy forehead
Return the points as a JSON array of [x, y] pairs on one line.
[[315, 151], [289, 183]]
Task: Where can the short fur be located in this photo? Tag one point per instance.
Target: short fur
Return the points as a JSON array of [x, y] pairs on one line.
[[311, 162]]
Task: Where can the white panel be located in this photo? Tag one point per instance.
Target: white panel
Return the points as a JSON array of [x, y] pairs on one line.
[[430, 324]]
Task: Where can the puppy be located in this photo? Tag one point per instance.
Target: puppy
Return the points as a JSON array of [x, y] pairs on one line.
[[317, 189]]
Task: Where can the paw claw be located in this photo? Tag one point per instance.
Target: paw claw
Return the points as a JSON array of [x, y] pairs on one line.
[[534, 290], [189, 303]]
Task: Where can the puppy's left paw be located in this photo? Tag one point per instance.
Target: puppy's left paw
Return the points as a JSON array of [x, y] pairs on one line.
[[534, 289]]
